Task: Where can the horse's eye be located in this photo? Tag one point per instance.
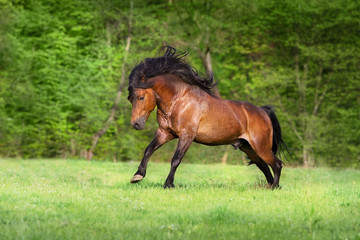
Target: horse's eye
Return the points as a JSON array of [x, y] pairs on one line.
[[141, 98]]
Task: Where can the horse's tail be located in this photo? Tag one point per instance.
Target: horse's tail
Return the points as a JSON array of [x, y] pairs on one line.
[[278, 142]]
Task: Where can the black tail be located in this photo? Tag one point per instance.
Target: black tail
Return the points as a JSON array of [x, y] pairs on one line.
[[277, 139]]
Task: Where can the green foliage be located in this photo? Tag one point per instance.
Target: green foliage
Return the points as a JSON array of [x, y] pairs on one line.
[[61, 63], [57, 199]]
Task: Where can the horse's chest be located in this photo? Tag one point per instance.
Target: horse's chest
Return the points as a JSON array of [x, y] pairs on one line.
[[170, 124]]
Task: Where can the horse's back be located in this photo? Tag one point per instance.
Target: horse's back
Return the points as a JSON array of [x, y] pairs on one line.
[[251, 111]]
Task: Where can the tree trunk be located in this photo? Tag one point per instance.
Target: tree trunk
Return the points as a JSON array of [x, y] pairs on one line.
[[225, 157], [305, 123], [206, 59], [110, 119], [308, 160]]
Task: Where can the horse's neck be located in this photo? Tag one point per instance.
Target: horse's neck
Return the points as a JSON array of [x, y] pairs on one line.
[[168, 88]]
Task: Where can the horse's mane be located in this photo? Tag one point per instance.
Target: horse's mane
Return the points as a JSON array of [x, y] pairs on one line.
[[169, 63]]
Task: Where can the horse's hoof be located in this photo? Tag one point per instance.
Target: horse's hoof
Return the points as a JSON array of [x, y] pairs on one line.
[[136, 178], [168, 185], [274, 187]]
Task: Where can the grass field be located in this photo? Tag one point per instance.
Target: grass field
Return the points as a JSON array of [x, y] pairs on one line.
[[63, 199]]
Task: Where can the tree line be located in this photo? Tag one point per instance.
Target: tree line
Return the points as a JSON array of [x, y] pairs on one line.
[[64, 67]]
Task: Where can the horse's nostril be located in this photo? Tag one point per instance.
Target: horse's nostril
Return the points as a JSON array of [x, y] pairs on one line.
[[139, 123], [137, 126]]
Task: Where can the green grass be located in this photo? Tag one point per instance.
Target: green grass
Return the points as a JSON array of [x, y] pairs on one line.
[[62, 199]]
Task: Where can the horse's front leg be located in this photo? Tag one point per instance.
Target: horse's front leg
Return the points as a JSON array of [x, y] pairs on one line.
[[161, 137], [183, 145]]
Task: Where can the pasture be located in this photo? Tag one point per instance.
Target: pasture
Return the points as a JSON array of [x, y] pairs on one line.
[[65, 199]]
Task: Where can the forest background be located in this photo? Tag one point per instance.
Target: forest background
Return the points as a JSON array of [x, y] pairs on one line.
[[64, 68]]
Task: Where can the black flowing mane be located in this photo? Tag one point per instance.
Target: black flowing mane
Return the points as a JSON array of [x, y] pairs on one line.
[[169, 63]]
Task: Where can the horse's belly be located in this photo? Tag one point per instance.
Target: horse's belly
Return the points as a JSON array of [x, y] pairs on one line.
[[218, 134]]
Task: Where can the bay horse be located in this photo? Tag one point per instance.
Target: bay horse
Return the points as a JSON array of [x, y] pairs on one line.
[[189, 111]]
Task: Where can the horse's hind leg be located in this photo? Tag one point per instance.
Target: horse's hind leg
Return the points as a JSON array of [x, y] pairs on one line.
[[266, 170], [258, 161], [277, 172], [276, 165]]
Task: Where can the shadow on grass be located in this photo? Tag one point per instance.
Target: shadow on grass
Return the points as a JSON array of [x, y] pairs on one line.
[[199, 185], [260, 184]]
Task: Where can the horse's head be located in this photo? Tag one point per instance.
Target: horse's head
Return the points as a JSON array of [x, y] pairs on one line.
[[143, 103]]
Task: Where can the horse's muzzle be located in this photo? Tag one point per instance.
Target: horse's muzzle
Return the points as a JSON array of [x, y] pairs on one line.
[[139, 123]]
